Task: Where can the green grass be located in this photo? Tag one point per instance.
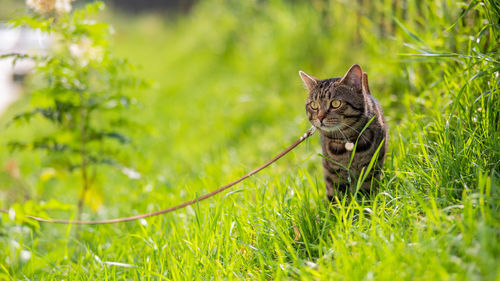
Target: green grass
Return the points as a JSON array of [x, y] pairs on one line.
[[228, 97]]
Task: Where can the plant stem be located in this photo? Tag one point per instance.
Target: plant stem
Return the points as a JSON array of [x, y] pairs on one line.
[[83, 154]]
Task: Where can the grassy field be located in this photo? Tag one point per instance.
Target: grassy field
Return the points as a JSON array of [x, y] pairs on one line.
[[226, 97]]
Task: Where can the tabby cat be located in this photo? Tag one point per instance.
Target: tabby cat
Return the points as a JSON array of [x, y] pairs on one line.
[[340, 108]]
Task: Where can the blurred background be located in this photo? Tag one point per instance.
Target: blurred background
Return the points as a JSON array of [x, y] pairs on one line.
[[221, 96], [225, 93]]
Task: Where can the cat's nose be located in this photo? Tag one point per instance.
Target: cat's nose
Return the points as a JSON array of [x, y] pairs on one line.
[[321, 116]]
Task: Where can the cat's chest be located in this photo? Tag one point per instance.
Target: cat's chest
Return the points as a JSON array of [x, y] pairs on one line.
[[333, 148]]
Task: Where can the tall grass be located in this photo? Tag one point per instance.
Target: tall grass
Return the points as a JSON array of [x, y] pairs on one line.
[[228, 97]]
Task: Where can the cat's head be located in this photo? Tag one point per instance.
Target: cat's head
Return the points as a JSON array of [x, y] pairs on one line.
[[336, 103]]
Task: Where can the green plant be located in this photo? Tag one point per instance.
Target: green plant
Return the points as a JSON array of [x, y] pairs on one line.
[[80, 88]]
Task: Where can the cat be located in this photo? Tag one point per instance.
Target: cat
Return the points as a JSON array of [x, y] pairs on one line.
[[339, 108]]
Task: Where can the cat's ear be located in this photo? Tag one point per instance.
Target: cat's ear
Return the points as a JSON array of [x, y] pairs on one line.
[[353, 78], [366, 89], [309, 81]]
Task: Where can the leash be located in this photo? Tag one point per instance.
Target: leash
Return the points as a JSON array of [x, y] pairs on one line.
[[185, 204]]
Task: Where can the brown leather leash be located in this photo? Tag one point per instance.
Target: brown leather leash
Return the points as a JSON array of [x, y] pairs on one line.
[[185, 204]]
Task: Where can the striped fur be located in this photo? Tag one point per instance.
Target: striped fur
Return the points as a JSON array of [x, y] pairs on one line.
[[344, 124]]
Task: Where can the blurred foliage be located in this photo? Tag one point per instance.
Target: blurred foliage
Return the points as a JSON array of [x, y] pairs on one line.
[[228, 96], [78, 89]]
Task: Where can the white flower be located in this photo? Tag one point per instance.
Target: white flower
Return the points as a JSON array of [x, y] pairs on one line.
[[63, 6], [47, 6], [41, 6], [131, 173], [85, 51], [25, 255]]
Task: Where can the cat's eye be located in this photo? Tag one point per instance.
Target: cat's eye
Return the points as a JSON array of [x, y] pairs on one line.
[[336, 103], [314, 105]]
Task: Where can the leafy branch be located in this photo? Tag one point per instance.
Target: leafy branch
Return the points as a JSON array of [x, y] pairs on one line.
[[79, 87]]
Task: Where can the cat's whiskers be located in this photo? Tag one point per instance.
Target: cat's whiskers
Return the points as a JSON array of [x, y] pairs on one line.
[[366, 139], [319, 125], [345, 138]]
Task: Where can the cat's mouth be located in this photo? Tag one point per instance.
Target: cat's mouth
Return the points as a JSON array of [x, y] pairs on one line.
[[326, 128]]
